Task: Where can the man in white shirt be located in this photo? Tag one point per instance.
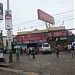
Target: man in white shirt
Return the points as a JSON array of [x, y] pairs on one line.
[[69, 47]]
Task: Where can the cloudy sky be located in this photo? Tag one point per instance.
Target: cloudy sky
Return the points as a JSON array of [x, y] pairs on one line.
[[24, 14]]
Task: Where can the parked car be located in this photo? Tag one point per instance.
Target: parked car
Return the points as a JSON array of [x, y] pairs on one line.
[[46, 48]]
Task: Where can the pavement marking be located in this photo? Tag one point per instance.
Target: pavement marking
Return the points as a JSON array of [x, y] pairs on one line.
[[19, 71]]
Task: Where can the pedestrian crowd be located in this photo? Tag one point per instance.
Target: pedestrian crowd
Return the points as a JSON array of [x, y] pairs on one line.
[[71, 49], [31, 53]]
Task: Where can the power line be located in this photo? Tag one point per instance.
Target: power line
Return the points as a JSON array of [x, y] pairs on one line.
[[64, 17], [59, 2], [25, 22], [55, 22], [63, 12], [37, 19], [65, 20]]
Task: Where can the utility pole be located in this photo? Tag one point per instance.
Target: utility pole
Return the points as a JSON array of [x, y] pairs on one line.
[[7, 4], [9, 32], [1, 18], [47, 36]]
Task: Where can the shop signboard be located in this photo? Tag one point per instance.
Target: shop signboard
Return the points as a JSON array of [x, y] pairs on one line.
[[32, 37], [60, 33]]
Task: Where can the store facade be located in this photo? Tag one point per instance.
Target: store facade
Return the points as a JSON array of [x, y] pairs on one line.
[[56, 37], [60, 37]]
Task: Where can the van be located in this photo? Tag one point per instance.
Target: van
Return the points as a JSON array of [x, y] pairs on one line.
[[46, 48]]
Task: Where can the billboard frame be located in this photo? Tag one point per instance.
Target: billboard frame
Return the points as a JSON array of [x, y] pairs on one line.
[[45, 16]]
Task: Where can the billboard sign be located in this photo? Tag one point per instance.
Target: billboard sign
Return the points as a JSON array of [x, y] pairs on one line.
[[8, 20], [45, 17], [1, 11]]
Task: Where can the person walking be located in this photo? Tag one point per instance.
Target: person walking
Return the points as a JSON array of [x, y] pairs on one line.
[[21, 51], [69, 47], [30, 52], [72, 51], [57, 52], [17, 55], [2, 59], [1, 56], [33, 53]]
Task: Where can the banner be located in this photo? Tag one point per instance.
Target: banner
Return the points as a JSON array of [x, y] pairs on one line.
[[8, 20], [1, 11]]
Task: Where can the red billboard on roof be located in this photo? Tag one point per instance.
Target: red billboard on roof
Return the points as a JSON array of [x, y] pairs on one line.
[[45, 17]]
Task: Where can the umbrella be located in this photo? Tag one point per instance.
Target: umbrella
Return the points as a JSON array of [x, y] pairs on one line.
[[17, 46]]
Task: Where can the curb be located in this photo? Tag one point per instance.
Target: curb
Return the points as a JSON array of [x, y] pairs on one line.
[[7, 64], [18, 71]]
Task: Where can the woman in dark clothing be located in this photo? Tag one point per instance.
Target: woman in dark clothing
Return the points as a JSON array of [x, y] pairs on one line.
[[57, 52], [33, 53], [30, 52], [17, 55], [72, 51]]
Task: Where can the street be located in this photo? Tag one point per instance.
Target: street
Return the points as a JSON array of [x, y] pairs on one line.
[[44, 64]]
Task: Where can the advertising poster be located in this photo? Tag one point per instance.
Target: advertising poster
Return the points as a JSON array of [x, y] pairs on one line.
[[8, 20]]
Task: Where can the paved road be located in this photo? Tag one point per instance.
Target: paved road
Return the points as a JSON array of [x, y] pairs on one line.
[[47, 64]]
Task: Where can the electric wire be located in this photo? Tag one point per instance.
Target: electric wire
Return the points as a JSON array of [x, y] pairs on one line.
[[55, 22], [37, 19], [46, 7]]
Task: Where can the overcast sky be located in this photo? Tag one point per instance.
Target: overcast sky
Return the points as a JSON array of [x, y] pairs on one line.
[[24, 13]]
